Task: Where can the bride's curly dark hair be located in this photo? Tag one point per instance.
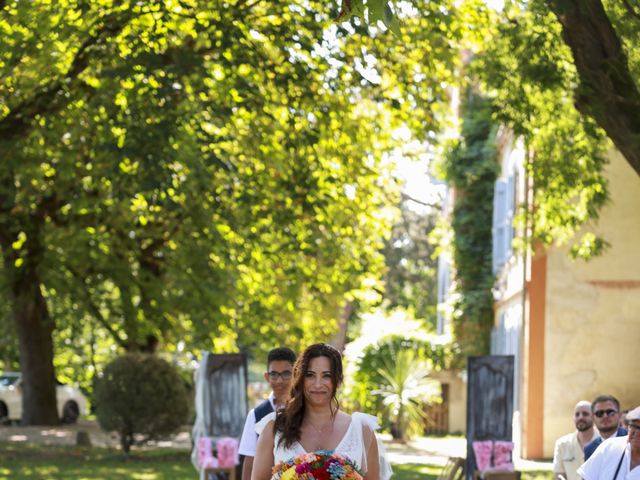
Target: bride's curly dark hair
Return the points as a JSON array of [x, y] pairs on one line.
[[289, 421]]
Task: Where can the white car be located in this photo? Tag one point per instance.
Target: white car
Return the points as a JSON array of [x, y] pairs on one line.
[[71, 402]]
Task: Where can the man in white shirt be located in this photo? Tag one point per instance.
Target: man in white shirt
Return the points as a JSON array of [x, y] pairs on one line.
[[618, 458], [279, 372], [568, 452]]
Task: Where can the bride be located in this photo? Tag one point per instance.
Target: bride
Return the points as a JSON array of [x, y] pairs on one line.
[[312, 421]]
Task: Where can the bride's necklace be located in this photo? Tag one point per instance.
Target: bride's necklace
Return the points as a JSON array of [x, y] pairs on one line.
[[321, 430]]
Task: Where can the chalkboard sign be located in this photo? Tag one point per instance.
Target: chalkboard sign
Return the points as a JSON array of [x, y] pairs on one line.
[[489, 402], [226, 393]]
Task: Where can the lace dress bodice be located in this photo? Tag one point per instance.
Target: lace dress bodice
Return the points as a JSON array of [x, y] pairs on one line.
[[352, 444]]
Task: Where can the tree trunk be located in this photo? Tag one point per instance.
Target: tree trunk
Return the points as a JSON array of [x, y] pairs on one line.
[[126, 440], [340, 338], [34, 328], [29, 310], [607, 92]]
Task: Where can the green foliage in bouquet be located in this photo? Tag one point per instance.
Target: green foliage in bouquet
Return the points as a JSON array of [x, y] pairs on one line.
[[140, 394]]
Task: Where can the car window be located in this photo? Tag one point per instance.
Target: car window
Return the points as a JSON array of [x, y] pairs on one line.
[[7, 380]]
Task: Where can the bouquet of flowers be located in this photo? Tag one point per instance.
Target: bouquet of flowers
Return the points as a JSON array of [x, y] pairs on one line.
[[320, 465]]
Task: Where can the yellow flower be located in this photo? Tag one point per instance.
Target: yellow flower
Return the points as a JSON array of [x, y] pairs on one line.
[[289, 474]]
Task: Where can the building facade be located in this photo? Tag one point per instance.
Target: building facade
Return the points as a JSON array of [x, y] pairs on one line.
[[572, 325]]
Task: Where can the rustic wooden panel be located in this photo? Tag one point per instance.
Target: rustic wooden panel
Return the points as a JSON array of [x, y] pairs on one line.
[[489, 401]]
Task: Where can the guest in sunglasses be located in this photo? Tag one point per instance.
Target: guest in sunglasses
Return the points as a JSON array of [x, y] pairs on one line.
[[606, 416], [618, 458]]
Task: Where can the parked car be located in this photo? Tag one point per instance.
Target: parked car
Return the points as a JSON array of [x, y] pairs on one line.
[[71, 402]]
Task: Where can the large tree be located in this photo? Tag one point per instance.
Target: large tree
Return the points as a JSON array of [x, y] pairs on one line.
[[198, 171], [601, 37], [563, 77]]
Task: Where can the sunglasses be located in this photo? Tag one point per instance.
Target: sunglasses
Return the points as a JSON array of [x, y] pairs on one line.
[[602, 413]]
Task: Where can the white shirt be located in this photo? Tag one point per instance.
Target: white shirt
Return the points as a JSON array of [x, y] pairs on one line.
[[604, 461], [568, 456], [249, 439]]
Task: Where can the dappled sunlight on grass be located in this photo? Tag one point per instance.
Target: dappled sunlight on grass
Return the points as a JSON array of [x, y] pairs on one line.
[[415, 471], [537, 475], [19, 461], [29, 461]]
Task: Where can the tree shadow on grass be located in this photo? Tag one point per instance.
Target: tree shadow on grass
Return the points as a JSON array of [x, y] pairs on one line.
[[20, 461]]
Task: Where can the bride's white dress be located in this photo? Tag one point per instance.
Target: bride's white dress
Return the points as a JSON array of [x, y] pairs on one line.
[[351, 445]]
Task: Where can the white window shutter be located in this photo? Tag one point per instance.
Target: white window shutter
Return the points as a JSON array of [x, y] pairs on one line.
[[499, 216], [510, 212]]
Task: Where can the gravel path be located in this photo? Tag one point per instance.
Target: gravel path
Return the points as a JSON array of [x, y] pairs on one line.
[[67, 434], [424, 450]]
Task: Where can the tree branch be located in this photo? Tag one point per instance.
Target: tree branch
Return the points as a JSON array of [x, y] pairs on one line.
[[607, 92], [243, 3], [406, 196], [93, 308], [50, 99], [630, 9]]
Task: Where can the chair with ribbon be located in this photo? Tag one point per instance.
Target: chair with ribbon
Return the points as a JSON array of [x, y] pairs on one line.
[[206, 459], [494, 460], [227, 448]]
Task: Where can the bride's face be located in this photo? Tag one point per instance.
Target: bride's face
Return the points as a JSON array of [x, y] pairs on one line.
[[318, 381]]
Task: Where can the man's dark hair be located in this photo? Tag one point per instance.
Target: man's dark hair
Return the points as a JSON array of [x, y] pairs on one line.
[[605, 398], [281, 353]]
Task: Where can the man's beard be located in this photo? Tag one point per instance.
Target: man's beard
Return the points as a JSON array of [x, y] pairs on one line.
[[583, 426]]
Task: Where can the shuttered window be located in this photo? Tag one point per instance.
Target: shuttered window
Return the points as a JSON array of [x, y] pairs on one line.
[[504, 202]]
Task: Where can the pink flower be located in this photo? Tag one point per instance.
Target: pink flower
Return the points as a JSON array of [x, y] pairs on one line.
[[302, 468]]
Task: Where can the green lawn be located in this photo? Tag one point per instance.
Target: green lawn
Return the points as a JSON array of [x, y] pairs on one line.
[[537, 475], [19, 460], [415, 471]]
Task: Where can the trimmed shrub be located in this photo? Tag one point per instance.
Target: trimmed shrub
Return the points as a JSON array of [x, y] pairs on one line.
[[141, 394]]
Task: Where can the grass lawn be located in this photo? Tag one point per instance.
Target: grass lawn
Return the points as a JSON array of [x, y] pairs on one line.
[[537, 475], [415, 471], [19, 460]]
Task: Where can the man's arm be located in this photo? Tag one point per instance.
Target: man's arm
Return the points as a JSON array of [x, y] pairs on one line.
[[248, 443]]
